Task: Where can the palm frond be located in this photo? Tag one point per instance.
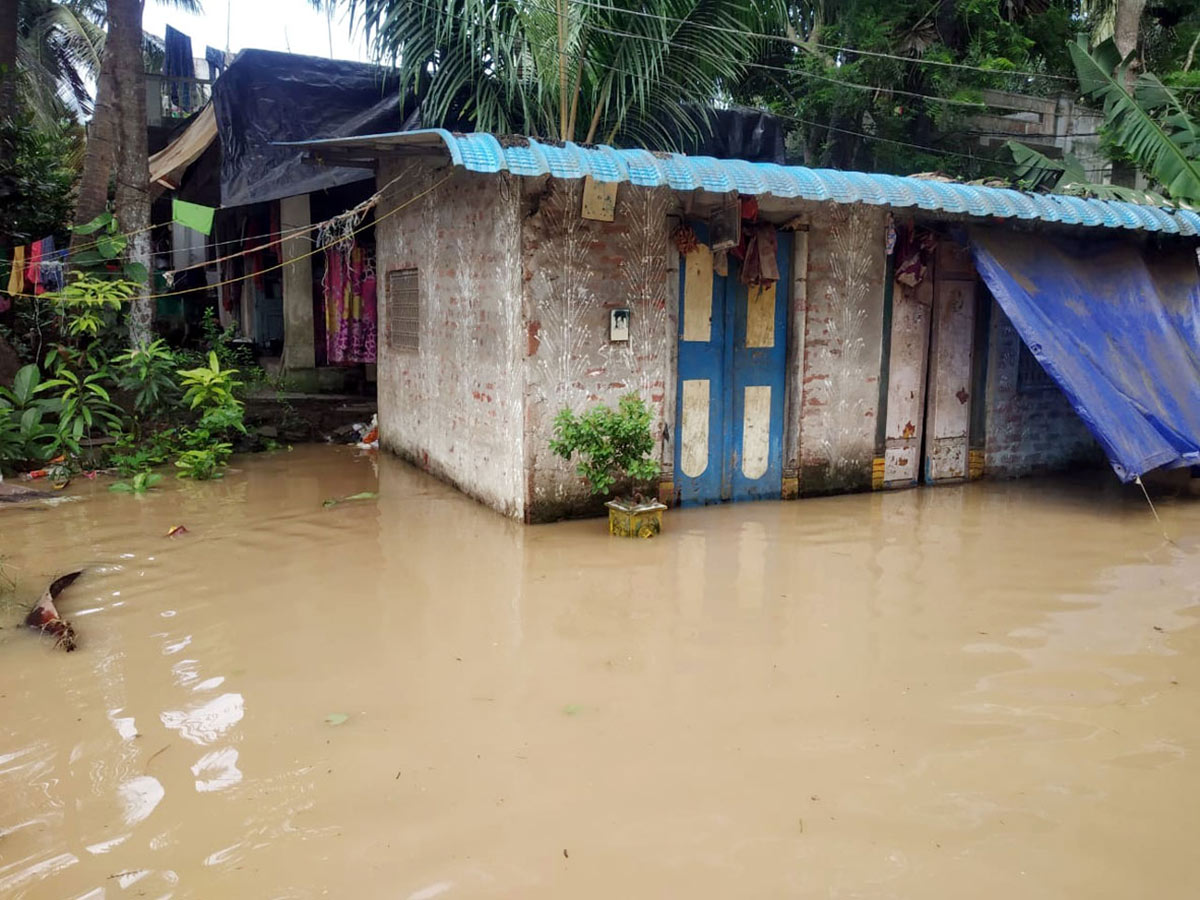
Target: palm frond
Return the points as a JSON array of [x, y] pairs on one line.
[[630, 71]]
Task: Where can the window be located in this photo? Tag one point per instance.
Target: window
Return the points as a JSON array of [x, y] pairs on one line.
[[403, 311], [1030, 374]]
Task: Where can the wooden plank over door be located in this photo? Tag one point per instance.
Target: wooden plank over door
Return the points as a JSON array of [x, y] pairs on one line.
[[906, 383], [950, 357]]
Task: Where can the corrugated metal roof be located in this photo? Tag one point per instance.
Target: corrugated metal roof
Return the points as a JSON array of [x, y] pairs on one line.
[[529, 157]]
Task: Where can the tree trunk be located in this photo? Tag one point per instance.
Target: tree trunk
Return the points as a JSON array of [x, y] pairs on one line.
[[1127, 25], [101, 153], [8, 58], [117, 146], [133, 168]]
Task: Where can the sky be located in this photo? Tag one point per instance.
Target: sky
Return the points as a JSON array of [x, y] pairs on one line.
[[288, 25]]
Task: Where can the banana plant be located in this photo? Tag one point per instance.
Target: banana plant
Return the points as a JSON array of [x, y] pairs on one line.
[[1150, 125]]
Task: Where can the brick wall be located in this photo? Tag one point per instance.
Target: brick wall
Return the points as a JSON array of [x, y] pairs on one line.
[[455, 406], [1028, 430], [574, 272]]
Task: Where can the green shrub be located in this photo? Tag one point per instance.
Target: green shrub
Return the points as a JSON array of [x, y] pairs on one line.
[[209, 386], [149, 373], [83, 402], [614, 446], [24, 437]]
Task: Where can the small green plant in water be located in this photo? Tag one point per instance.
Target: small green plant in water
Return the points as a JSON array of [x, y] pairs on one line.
[[139, 484], [614, 446], [205, 464]]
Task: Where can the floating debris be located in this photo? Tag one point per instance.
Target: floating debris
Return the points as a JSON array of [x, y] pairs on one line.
[[44, 616], [16, 493], [362, 495]]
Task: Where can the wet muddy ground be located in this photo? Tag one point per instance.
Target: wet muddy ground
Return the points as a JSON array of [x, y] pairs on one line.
[[983, 691]]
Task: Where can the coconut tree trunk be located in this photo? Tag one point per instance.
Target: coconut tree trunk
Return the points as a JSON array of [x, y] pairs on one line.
[[133, 168], [100, 155], [8, 58], [117, 147]]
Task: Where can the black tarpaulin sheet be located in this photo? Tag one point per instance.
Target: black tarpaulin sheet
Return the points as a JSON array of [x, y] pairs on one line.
[[266, 97], [1117, 327], [736, 132]]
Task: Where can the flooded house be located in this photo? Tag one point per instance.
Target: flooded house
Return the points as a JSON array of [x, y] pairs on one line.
[[308, 315], [795, 331]]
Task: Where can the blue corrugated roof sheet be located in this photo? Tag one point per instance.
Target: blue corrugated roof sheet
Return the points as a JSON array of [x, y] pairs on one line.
[[529, 157]]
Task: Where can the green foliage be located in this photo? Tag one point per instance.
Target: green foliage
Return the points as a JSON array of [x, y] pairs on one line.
[[37, 181], [613, 446], [1152, 126], [209, 386], [139, 484], [12, 448], [59, 44], [204, 464], [129, 455], [85, 405], [594, 72], [859, 85], [222, 342], [1038, 172], [102, 255], [24, 437], [149, 373], [211, 390], [90, 303]]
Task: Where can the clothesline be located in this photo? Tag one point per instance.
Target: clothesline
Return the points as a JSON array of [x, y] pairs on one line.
[[352, 215], [362, 207]]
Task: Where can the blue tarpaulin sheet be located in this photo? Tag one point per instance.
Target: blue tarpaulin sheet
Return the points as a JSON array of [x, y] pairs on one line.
[[1117, 326]]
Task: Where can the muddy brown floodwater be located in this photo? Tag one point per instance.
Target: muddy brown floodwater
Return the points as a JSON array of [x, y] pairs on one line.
[[982, 691]]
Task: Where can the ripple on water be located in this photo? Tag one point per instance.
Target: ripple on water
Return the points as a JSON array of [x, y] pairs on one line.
[[204, 723]]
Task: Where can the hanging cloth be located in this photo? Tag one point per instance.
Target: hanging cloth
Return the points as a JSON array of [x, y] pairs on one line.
[[760, 265], [178, 61], [16, 276], [914, 252], [51, 276], [192, 215], [33, 268], [216, 62], [351, 316]]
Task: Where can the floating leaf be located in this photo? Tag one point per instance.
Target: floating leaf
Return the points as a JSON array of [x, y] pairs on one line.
[[572, 709], [336, 718]]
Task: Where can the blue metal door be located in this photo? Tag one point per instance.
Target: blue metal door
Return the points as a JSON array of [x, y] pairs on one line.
[[730, 399]]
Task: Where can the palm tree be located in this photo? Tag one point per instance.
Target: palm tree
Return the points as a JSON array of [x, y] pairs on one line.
[[565, 69], [58, 54]]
